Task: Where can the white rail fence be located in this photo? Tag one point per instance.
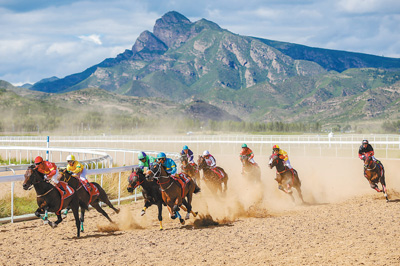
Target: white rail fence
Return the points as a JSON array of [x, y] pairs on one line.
[[387, 145]]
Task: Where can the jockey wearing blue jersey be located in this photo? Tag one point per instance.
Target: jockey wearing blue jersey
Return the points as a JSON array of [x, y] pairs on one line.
[[188, 152], [168, 163]]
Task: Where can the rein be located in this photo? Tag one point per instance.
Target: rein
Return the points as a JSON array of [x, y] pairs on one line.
[[39, 196]]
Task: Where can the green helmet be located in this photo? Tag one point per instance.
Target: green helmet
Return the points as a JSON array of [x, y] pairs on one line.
[[244, 145], [141, 155]]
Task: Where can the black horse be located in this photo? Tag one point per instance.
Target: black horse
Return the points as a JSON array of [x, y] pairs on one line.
[[191, 170], [212, 180], [375, 173], [85, 197], [49, 199], [286, 178], [250, 171], [151, 191]]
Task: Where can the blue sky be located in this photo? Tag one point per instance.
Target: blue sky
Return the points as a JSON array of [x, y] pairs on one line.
[[40, 38]]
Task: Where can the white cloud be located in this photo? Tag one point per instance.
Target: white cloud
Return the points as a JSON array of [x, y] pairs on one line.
[[95, 38]]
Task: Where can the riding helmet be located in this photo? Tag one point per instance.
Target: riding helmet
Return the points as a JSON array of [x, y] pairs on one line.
[[161, 155], [185, 147], [244, 145], [365, 141], [38, 159], [205, 153], [141, 155], [276, 147], [70, 158]]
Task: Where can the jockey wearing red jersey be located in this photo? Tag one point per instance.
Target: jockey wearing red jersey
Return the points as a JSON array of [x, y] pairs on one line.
[[246, 151], [49, 169], [212, 163], [366, 148]]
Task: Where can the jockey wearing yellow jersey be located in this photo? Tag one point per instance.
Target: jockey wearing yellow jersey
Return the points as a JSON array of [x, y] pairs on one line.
[[78, 170], [282, 155]]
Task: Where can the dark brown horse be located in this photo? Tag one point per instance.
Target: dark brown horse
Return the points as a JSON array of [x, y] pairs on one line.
[[375, 173], [49, 198], [286, 178], [212, 180], [191, 170], [85, 197], [171, 191], [250, 171], [151, 191]]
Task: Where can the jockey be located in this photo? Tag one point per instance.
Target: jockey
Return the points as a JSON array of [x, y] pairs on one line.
[[188, 152], [282, 155], [49, 169], [145, 160], [210, 160], [366, 148], [246, 151], [168, 163], [78, 170]]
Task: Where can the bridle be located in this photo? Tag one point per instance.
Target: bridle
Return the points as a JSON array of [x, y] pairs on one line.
[[160, 176]]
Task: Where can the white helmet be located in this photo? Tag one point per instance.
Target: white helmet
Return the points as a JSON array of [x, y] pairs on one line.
[[70, 158], [205, 153]]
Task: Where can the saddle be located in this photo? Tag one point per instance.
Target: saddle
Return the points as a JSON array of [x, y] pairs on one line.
[[69, 191], [219, 172], [183, 180]]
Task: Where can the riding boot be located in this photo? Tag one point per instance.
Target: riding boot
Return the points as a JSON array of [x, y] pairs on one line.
[[62, 189]]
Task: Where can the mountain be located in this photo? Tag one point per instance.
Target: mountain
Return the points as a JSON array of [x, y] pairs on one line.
[[248, 78]]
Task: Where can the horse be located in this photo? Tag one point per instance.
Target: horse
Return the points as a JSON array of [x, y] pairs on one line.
[[151, 191], [85, 197], [212, 180], [49, 199], [173, 194], [190, 169], [286, 178], [251, 170], [375, 173]]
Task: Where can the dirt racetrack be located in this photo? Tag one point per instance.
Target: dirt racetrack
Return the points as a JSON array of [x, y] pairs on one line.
[[344, 223]]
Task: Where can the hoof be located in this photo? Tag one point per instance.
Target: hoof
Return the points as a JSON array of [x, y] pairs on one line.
[[37, 214], [173, 217], [182, 221], [53, 225], [187, 216], [46, 221], [142, 213]]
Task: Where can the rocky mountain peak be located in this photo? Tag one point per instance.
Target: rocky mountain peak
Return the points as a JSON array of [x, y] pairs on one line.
[[147, 42], [173, 29]]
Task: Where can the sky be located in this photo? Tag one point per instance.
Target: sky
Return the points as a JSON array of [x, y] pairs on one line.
[[41, 38]]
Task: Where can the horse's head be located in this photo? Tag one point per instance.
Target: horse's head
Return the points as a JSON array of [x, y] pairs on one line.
[[32, 176], [273, 160], [201, 162], [368, 161], [135, 179], [155, 171], [245, 159], [64, 174]]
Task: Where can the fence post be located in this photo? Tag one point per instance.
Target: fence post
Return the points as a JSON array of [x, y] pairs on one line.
[[119, 188]]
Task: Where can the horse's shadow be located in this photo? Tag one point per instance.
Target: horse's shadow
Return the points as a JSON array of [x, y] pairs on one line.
[[196, 227], [305, 203], [394, 200], [95, 236]]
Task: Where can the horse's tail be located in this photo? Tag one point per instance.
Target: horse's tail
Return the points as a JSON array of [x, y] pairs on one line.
[[103, 195], [196, 188]]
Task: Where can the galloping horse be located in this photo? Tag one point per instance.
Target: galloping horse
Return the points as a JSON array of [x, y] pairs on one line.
[[375, 173], [49, 198], [85, 197], [285, 177], [189, 169], [172, 192], [151, 191], [212, 180], [250, 170]]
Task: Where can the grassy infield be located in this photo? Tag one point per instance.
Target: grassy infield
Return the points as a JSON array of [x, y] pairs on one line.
[[27, 203]]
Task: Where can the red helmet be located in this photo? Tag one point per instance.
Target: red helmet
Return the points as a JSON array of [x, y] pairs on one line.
[[38, 160]]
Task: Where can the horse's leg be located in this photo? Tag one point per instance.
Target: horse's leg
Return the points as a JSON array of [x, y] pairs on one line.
[[383, 182], [104, 198], [59, 220], [82, 219], [178, 203], [171, 213], [96, 205], [146, 205], [74, 205], [159, 205]]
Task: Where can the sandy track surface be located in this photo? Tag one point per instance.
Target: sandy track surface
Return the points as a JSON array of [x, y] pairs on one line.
[[344, 223]]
